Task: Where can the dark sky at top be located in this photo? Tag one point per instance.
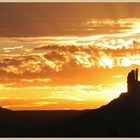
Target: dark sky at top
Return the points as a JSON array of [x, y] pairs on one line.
[[59, 19]]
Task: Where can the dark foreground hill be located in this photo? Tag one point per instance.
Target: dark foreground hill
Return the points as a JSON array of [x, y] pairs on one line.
[[119, 118]]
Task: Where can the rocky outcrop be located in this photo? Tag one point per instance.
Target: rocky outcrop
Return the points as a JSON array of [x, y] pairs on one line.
[[133, 85]]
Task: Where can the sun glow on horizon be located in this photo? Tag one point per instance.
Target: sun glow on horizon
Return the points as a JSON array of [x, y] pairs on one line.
[[58, 96], [67, 58]]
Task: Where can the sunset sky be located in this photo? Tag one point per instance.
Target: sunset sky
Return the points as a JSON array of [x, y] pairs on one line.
[[66, 55]]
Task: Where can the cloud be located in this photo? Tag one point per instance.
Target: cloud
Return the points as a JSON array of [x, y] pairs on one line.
[[62, 19], [105, 54], [53, 55], [62, 64], [37, 80], [118, 76], [110, 26], [44, 103], [124, 25]]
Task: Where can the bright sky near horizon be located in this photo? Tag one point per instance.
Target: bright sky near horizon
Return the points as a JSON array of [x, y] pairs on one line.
[[66, 55]]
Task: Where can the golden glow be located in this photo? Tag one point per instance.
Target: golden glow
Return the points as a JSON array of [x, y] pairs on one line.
[[106, 61], [83, 67], [57, 96], [117, 76], [79, 77]]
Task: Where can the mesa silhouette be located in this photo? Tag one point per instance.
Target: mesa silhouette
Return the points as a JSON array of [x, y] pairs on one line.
[[119, 118], [130, 101]]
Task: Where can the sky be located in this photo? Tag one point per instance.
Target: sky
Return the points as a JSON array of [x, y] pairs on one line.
[[66, 56]]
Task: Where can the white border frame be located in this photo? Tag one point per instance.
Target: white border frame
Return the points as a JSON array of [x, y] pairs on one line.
[[69, 1]]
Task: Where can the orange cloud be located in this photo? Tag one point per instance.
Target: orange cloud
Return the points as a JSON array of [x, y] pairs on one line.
[[61, 64]]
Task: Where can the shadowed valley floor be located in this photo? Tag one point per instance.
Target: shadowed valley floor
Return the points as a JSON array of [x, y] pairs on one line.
[[119, 118]]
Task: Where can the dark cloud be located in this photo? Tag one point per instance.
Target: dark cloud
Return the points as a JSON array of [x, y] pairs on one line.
[[60, 19], [58, 48], [54, 56]]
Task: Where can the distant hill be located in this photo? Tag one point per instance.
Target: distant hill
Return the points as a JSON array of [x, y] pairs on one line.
[[4, 109]]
